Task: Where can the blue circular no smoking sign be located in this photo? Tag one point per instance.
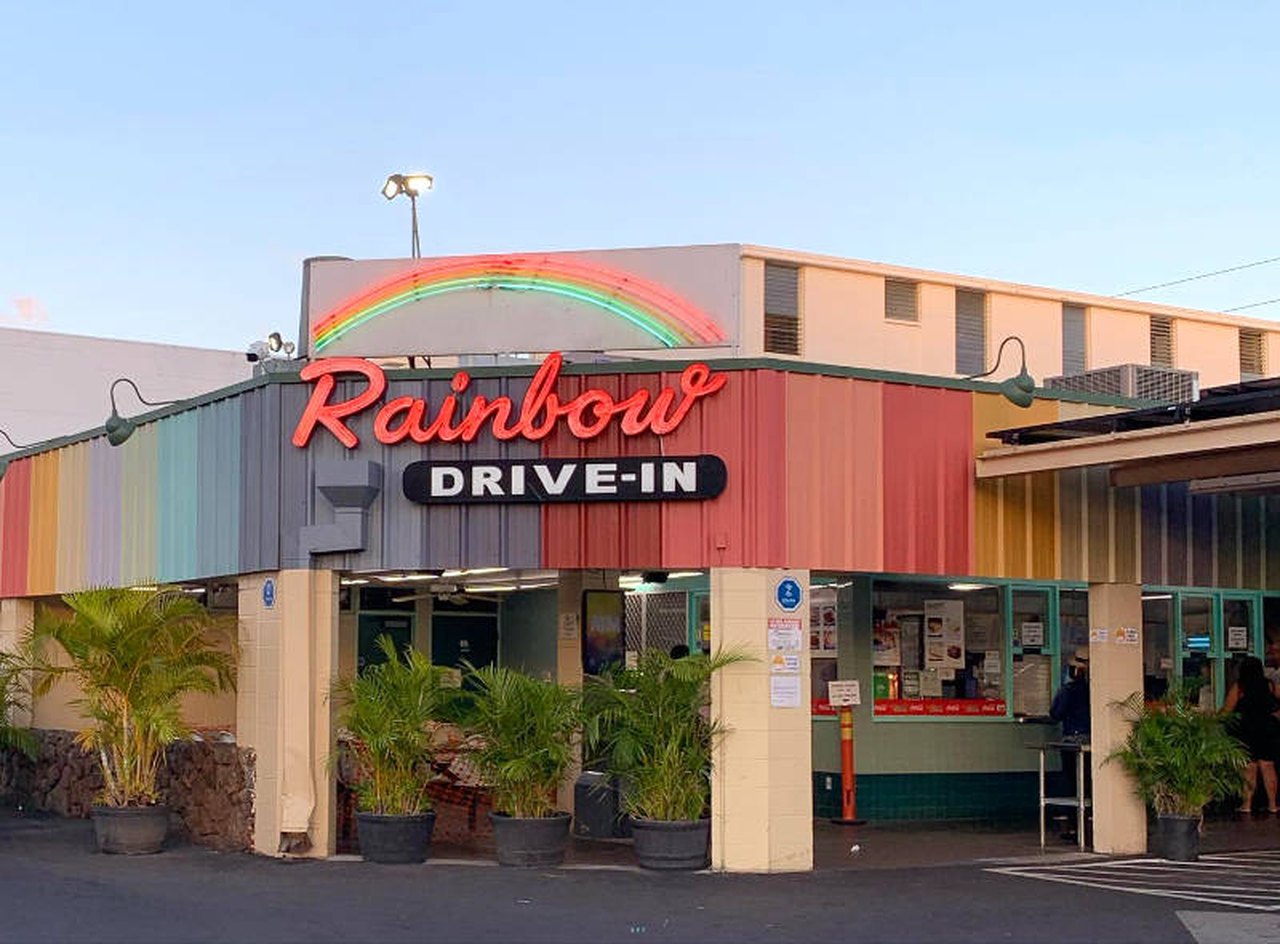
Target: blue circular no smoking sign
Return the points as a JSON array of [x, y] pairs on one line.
[[789, 595], [269, 593]]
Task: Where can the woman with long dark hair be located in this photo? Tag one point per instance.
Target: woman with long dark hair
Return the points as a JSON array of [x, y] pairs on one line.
[[1254, 702]]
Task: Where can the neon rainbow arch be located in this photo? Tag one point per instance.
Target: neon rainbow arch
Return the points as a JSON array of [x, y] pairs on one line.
[[664, 316]]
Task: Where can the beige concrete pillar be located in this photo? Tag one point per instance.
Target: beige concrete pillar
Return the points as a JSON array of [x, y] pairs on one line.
[[761, 784], [288, 659], [569, 645], [1115, 673], [15, 620]]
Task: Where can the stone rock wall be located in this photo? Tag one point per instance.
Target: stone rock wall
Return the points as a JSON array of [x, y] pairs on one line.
[[207, 785]]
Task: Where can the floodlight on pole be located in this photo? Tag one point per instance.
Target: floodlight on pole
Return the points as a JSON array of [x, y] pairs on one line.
[[1019, 389], [412, 186]]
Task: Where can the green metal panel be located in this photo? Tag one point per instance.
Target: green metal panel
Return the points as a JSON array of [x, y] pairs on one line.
[[218, 488], [138, 486], [176, 498]]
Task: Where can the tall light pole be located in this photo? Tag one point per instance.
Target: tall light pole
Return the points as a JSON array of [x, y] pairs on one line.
[[412, 185]]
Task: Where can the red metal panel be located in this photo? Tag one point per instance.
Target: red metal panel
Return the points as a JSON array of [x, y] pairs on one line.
[[746, 526], [15, 495], [614, 535], [928, 480], [835, 516], [742, 424]]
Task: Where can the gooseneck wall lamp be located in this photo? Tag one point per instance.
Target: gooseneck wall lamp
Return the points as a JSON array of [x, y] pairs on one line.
[[1019, 389], [4, 460], [120, 428], [412, 186]]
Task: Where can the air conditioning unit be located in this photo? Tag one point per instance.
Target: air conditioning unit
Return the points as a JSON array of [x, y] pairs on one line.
[[1136, 381]]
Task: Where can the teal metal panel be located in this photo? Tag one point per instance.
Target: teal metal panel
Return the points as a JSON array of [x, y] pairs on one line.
[[176, 498], [218, 489]]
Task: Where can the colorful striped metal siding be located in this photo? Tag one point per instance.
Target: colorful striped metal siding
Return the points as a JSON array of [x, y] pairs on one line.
[[405, 536], [828, 473]]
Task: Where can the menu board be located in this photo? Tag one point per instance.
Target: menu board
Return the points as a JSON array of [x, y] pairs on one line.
[[943, 634]]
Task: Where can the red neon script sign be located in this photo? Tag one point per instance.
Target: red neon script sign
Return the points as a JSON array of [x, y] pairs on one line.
[[408, 418]]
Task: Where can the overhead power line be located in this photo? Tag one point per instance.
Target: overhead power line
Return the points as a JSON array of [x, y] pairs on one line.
[[1269, 301], [1202, 275]]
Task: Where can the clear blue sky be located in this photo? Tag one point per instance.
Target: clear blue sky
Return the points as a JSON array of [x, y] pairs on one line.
[[166, 167]]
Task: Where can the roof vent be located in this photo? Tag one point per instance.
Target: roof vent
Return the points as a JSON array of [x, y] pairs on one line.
[[1136, 381]]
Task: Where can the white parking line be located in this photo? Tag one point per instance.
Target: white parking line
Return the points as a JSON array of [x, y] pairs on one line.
[[1238, 880]]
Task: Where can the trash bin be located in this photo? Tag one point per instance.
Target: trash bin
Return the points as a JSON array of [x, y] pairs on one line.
[[595, 807]]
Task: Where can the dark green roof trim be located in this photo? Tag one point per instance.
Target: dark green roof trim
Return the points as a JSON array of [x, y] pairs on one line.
[[585, 369]]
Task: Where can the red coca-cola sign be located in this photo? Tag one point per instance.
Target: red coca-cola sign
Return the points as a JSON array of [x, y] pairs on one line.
[[535, 417]]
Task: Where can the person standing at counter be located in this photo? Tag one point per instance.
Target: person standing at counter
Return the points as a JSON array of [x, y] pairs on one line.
[[1071, 704]]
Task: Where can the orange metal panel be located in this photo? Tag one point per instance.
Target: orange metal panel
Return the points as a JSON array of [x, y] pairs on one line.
[[42, 545]]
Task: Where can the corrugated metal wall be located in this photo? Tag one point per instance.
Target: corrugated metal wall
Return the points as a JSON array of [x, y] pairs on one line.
[[830, 473]]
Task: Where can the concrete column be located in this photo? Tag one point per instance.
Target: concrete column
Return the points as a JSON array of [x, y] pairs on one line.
[[569, 645], [1115, 673], [15, 620], [288, 659], [761, 785]]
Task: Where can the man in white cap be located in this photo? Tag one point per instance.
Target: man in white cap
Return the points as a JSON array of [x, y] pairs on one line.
[[1071, 704], [1071, 707]]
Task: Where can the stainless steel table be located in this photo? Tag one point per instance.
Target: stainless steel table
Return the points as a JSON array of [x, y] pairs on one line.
[[1079, 802]]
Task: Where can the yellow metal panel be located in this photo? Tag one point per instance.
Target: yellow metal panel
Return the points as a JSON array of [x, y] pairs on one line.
[[1014, 520], [73, 493], [1044, 532], [138, 485]]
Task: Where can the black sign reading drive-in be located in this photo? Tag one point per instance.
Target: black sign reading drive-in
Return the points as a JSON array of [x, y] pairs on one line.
[[651, 478]]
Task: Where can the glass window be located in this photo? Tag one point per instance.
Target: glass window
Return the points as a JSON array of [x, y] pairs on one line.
[[1073, 607], [938, 649], [1198, 651], [1157, 644], [1271, 637], [1237, 635], [1032, 653]]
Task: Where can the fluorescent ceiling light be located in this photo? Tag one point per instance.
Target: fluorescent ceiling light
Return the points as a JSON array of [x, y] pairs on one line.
[[1157, 596], [684, 573], [498, 588], [353, 581], [966, 587]]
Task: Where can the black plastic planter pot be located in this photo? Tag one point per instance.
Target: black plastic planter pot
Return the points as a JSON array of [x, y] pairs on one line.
[[1180, 838], [535, 842], [674, 844], [130, 830], [395, 840]]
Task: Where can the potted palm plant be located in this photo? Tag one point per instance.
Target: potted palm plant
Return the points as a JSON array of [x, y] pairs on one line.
[[527, 732], [649, 725], [133, 655], [390, 713], [1181, 758]]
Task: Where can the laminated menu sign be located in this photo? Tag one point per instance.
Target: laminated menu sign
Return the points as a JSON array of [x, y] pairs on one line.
[[1033, 634], [943, 634], [1238, 637], [886, 641]]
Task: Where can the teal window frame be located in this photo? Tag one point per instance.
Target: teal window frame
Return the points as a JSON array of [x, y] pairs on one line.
[[1217, 652]]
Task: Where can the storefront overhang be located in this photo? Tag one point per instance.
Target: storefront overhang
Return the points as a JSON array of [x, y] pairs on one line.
[[1231, 446]]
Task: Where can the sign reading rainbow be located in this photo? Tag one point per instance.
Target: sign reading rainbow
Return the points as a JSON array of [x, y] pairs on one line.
[[664, 316]]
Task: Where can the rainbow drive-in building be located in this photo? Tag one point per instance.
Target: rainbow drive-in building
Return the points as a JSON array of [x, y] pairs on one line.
[[546, 460]]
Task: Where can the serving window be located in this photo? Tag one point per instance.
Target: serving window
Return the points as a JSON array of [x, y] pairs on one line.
[[939, 649]]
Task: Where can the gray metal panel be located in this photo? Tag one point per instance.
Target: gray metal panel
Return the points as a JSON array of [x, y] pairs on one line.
[[403, 535], [781, 289], [218, 489], [971, 332], [1073, 339], [296, 496]]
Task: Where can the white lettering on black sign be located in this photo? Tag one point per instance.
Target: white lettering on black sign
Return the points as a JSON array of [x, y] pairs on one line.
[[629, 478]]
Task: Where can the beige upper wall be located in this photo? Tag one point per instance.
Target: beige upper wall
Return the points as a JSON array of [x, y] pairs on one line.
[[843, 323]]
